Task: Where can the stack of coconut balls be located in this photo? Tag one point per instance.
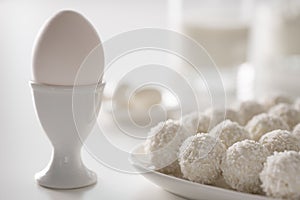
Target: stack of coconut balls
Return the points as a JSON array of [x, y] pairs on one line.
[[253, 148]]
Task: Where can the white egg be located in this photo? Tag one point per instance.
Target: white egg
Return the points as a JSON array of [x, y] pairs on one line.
[[67, 42]]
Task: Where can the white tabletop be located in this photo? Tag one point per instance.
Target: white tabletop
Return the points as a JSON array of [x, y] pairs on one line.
[[24, 148]]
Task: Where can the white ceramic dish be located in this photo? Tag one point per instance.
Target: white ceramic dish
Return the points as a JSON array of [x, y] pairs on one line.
[[184, 188]]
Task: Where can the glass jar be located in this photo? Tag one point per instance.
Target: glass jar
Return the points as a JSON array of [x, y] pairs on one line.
[[222, 28], [275, 48]]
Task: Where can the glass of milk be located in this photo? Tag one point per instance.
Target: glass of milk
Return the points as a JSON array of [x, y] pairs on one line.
[[221, 27], [275, 47]]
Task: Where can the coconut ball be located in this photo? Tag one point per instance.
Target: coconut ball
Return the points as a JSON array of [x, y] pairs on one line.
[[229, 132], [296, 131], [217, 115], [249, 109], [200, 158], [163, 144], [281, 175], [297, 104], [274, 99], [280, 140], [172, 169], [196, 123], [242, 164], [264, 123], [287, 113]]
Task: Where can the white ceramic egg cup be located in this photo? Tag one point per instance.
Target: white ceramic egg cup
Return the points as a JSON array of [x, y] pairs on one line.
[[67, 115]]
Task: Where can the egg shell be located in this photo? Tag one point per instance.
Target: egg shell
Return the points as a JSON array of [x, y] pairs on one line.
[[67, 42]]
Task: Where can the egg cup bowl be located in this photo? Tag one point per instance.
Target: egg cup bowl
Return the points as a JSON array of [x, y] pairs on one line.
[[67, 115]]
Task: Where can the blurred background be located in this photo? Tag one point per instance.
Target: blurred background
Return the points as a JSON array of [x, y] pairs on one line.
[[254, 43]]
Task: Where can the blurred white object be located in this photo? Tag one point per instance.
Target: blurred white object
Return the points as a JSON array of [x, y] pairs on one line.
[[245, 79], [142, 106], [221, 27], [139, 100], [275, 47]]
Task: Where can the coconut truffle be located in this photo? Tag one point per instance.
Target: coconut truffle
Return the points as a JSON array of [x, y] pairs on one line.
[[163, 144], [172, 169], [296, 131], [280, 140], [297, 104], [217, 115], [249, 109], [229, 132], [242, 164], [264, 123], [196, 123], [200, 158], [281, 175], [287, 113], [274, 99]]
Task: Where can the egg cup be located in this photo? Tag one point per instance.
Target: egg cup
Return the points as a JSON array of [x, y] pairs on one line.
[[67, 115]]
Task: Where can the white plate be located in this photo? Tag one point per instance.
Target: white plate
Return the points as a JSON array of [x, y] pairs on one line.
[[188, 189]]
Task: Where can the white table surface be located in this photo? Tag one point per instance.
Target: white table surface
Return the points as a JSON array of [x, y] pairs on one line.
[[24, 148]]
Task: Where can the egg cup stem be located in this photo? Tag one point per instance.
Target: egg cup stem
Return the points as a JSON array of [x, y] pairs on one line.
[[67, 115], [65, 171]]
